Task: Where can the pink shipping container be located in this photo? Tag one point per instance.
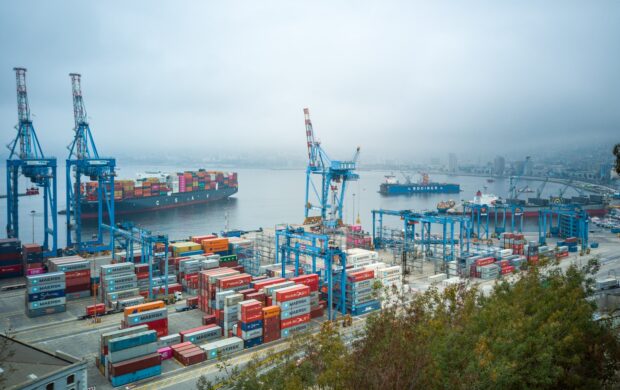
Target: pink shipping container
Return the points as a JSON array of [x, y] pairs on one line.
[[35, 271], [165, 353]]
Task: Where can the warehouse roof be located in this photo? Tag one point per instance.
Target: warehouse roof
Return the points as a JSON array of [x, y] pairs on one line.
[[21, 363]]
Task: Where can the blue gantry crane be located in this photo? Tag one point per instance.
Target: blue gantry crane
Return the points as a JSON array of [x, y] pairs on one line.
[[293, 242], [334, 176], [26, 156], [84, 161], [127, 234]]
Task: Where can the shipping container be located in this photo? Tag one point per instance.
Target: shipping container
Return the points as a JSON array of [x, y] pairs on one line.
[[130, 353], [135, 364], [136, 376], [132, 340], [223, 347]]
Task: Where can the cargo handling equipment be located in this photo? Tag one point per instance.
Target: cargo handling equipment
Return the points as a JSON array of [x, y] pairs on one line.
[[26, 157], [84, 161], [334, 176]]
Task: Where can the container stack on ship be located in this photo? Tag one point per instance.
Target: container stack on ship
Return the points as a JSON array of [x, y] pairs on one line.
[[158, 190]]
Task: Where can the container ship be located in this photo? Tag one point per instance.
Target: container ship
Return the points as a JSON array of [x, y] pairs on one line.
[[159, 190], [391, 186], [594, 205]]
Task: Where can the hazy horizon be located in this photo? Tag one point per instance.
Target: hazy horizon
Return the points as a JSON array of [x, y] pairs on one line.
[[403, 80]]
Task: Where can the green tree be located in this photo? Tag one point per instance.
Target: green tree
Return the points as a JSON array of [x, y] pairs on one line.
[[537, 332]]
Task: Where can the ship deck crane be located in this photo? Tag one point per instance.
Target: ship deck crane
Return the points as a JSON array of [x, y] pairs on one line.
[[334, 176], [84, 160], [26, 156]]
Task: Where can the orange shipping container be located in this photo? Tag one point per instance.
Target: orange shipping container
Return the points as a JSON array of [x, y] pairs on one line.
[[144, 307], [271, 311]]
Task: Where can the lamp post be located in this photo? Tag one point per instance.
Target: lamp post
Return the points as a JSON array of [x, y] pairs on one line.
[[32, 212]]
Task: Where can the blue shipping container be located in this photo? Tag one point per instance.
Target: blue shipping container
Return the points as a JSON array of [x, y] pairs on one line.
[[135, 376], [131, 341], [46, 295], [251, 325], [252, 342], [366, 308]]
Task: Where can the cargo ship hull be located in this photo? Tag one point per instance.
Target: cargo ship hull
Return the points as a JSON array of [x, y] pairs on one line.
[[89, 209], [418, 188]]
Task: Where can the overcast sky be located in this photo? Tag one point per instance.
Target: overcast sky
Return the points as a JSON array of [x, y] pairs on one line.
[[400, 79]]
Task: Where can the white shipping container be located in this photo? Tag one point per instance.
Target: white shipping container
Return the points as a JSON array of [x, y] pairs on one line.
[[222, 347], [47, 303], [147, 316], [250, 334], [169, 340], [130, 353], [204, 335]]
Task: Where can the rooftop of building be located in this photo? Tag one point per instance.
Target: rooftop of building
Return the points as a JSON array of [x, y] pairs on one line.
[[22, 363]]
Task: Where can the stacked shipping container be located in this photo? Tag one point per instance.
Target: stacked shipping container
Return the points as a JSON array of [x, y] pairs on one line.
[[45, 294], [152, 314], [117, 282], [32, 259], [77, 275], [130, 355]]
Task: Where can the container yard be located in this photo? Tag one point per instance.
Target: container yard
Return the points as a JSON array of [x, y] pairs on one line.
[[128, 338]]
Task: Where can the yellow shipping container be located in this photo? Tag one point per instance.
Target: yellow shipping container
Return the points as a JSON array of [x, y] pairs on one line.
[[184, 246]]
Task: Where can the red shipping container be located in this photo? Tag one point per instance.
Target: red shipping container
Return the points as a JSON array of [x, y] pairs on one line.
[[233, 281], [192, 301], [10, 256], [77, 288], [180, 345], [196, 329], [310, 280], [302, 319], [360, 276], [271, 336], [507, 270], [246, 292], [200, 239], [160, 326], [260, 284], [316, 312], [75, 281], [485, 261], [10, 268], [98, 309], [209, 319], [77, 274], [142, 275], [193, 357], [504, 263], [133, 365], [259, 296], [295, 292], [251, 317]]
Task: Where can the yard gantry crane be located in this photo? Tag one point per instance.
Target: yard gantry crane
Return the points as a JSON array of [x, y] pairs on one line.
[[84, 160], [27, 156], [334, 175]]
